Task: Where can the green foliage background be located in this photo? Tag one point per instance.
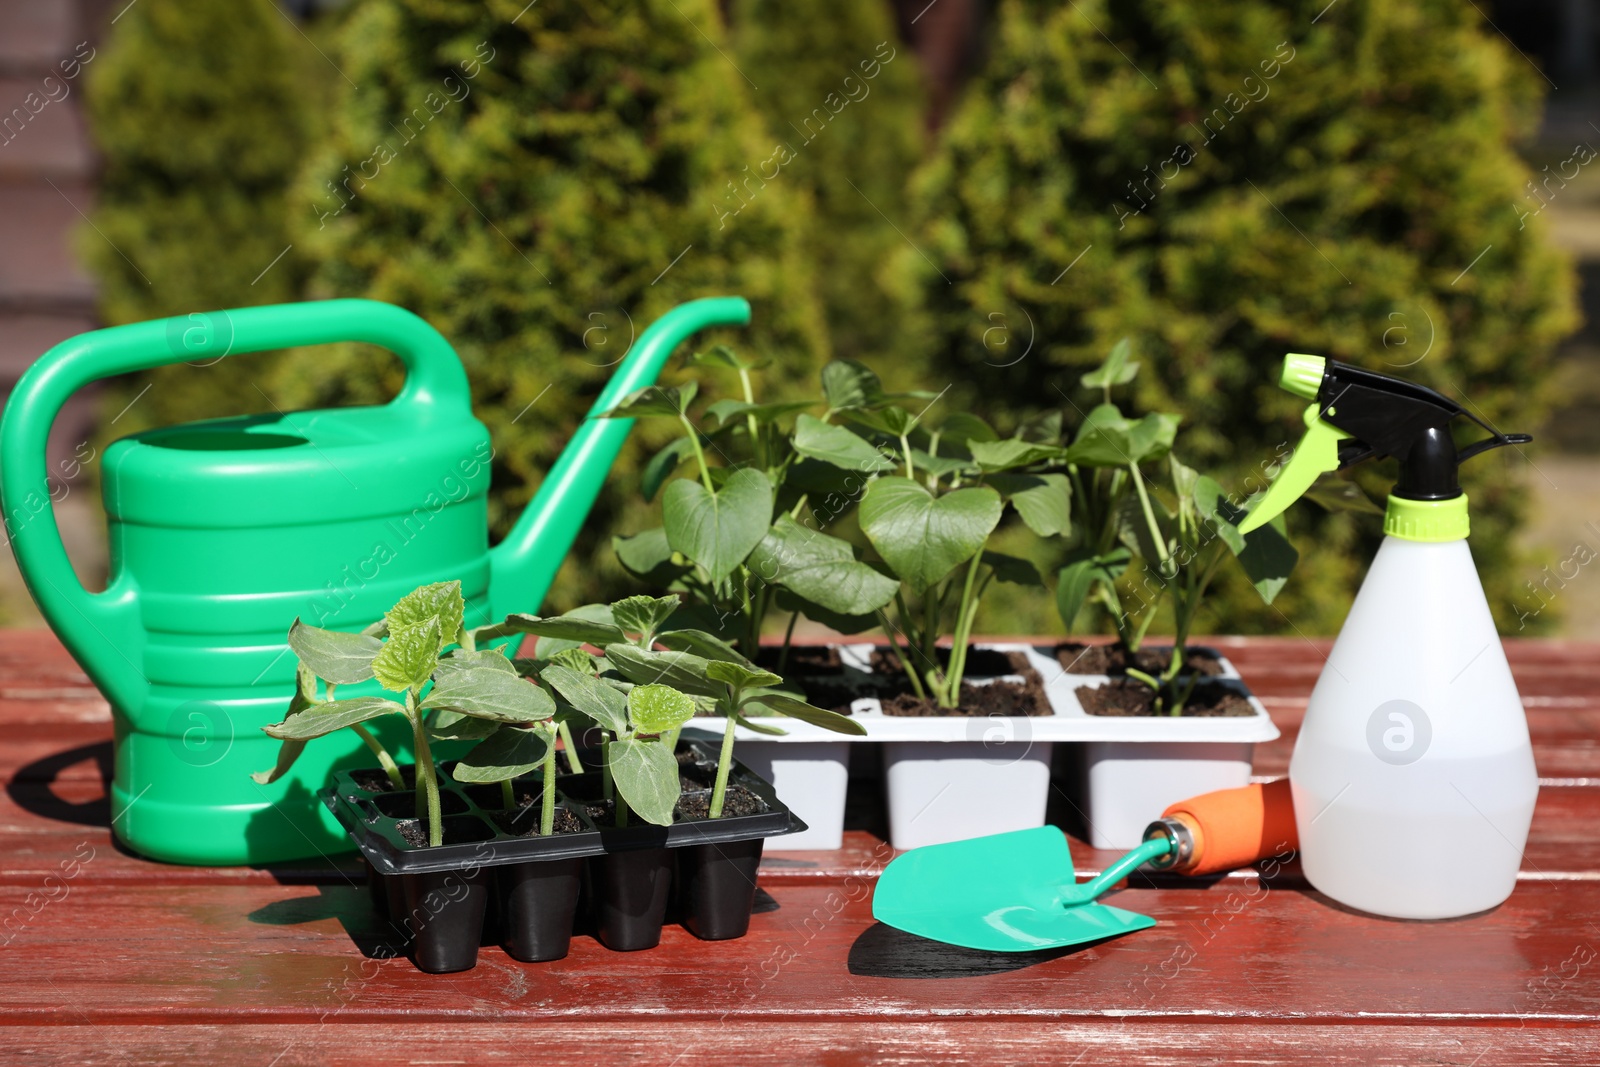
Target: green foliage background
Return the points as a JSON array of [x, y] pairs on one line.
[[202, 111], [541, 220], [854, 139], [1331, 208]]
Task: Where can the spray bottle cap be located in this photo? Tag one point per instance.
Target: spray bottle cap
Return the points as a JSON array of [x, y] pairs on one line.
[[1359, 414]]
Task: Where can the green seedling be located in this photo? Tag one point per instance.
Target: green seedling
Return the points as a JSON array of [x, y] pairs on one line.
[[1106, 463], [1195, 529], [649, 682], [1178, 524], [639, 723], [639, 771], [742, 536], [930, 513], [470, 694], [728, 684]]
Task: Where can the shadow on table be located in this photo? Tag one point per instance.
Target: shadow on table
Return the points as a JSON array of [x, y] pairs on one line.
[[376, 938], [30, 788], [34, 790], [884, 952]]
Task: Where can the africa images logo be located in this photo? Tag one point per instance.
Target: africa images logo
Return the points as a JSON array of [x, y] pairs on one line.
[[1399, 732]]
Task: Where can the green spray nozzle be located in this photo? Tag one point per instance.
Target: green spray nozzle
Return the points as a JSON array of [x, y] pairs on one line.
[[1315, 455], [1302, 375], [1359, 414]]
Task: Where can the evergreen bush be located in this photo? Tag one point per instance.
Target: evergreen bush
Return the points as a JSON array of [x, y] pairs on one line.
[[540, 182], [1230, 181], [843, 102], [202, 111]]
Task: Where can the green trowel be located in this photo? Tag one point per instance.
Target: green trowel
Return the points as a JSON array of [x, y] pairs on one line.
[[1018, 892], [1012, 892]]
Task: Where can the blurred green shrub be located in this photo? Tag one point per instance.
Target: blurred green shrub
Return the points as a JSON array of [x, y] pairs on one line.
[[540, 182], [202, 110], [1231, 181], [842, 98]]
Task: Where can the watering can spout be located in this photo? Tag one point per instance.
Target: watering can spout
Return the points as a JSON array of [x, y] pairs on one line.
[[525, 563]]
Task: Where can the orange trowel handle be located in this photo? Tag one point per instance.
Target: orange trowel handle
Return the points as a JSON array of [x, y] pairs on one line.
[[1230, 828]]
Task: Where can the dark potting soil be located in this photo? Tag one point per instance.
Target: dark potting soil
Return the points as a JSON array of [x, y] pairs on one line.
[[1078, 658], [525, 823], [1132, 699], [980, 661], [492, 797], [376, 781], [737, 801], [802, 660], [992, 698], [827, 683], [692, 774], [404, 805], [458, 830], [835, 696], [695, 803], [1006, 698]]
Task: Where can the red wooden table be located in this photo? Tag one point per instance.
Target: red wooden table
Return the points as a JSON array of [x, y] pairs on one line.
[[109, 958]]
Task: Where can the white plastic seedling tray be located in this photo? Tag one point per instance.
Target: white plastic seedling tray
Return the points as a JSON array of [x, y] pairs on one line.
[[1071, 723], [934, 766], [1068, 721], [1128, 770], [947, 777]]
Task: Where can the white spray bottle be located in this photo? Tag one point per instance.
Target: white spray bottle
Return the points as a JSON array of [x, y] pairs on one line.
[[1413, 778]]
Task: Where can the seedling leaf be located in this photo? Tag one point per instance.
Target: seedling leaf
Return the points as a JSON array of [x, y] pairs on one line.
[[681, 670], [742, 677], [647, 555], [646, 774], [322, 719], [784, 704], [654, 400], [661, 465], [450, 725], [702, 644], [848, 386], [409, 656], [644, 614], [655, 709], [440, 601], [340, 658], [598, 700], [718, 529], [821, 568], [491, 694], [505, 754], [1116, 370], [1012, 453], [836, 445], [922, 537]]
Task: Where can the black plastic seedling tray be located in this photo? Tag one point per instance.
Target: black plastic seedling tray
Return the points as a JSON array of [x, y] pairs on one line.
[[445, 899], [372, 820]]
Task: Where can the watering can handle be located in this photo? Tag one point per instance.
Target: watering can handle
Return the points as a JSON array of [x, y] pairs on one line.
[[101, 629]]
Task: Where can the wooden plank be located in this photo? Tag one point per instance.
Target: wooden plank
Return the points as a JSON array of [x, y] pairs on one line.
[[42, 826], [225, 954], [774, 1043], [1566, 742]]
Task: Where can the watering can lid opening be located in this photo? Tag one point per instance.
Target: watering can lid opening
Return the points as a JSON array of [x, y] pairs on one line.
[[222, 439], [356, 462]]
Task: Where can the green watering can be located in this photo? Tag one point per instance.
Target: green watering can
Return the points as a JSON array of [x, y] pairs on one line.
[[222, 532]]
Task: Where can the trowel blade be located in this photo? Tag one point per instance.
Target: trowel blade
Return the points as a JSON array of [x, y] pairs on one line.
[[1000, 893]]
